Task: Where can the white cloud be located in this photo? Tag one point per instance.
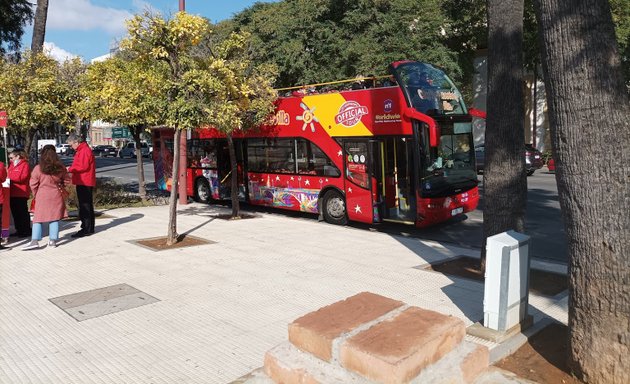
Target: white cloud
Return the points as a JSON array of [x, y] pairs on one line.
[[83, 15], [59, 54]]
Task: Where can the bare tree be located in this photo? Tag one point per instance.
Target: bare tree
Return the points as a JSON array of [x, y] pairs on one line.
[[505, 180], [589, 112]]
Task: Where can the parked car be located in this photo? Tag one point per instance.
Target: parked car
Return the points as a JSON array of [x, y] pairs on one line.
[[533, 159], [64, 149], [104, 151], [129, 150]]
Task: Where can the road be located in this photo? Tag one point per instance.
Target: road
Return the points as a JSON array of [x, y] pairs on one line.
[[543, 219], [543, 222], [124, 170]]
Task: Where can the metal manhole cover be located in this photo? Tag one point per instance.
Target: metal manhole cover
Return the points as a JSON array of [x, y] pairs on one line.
[[102, 301]]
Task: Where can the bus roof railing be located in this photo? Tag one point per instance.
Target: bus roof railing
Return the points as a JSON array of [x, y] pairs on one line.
[[353, 80]]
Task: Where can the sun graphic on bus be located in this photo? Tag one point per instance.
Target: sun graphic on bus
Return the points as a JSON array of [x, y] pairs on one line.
[[308, 117]]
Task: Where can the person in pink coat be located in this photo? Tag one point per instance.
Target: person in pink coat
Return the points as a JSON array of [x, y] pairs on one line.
[[48, 180]]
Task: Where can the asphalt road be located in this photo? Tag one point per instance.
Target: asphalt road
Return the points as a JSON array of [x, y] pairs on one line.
[[543, 218], [543, 222]]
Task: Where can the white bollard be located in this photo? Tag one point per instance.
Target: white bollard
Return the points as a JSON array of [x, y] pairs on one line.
[[505, 296]]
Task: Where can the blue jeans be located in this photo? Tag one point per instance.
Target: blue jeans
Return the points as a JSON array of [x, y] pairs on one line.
[[53, 229]]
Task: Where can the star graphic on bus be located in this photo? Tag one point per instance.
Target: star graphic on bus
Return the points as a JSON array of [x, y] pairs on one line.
[[308, 117], [350, 190], [277, 178], [307, 182], [339, 153], [357, 209]]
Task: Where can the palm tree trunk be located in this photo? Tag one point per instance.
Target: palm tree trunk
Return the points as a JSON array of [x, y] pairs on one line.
[[39, 26], [505, 180], [590, 131]]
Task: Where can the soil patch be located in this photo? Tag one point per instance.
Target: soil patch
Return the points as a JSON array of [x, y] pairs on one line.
[[540, 282], [159, 243], [543, 358], [242, 216]]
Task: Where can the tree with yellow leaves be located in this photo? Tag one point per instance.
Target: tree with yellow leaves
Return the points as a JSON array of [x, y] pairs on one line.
[[237, 94], [153, 39], [128, 92]]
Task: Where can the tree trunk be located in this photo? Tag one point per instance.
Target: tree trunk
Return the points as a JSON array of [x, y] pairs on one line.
[[171, 237], [589, 111], [39, 26], [505, 181], [142, 189], [28, 142], [234, 180]]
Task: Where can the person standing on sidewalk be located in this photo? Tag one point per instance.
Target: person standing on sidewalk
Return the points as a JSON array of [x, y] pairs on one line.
[[20, 173], [83, 170], [3, 177], [48, 182]]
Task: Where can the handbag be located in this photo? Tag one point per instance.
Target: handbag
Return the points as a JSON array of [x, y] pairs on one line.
[[61, 187], [32, 207]]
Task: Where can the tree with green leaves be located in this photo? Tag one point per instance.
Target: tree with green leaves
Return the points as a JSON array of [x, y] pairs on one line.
[[589, 108], [153, 39], [14, 15], [237, 94], [32, 95], [127, 92]]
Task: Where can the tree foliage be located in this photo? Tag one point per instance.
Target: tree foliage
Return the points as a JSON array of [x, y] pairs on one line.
[[14, 15], [129, 93], [312, 41], [34, 94], [237, 94], [152, 39]]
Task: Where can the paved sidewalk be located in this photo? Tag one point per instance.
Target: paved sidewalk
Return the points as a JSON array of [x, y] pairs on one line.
[[215, 309]]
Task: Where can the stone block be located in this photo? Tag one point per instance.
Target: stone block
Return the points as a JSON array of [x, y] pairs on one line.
[[315, 332], [396, 350]]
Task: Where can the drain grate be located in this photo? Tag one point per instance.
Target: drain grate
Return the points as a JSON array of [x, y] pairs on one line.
[[102, 301]]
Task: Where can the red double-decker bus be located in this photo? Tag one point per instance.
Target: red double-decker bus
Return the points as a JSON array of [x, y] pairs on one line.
[[401, 152]]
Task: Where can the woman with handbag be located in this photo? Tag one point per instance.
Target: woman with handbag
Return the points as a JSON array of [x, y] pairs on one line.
[[48, 181]]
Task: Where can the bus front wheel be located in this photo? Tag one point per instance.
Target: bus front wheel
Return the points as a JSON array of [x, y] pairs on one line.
[[202, 191], [334, 208]]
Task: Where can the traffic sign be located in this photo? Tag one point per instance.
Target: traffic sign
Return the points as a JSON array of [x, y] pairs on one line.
[[121, 133]]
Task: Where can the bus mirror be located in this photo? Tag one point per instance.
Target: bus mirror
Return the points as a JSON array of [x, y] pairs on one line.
[[434, 130]]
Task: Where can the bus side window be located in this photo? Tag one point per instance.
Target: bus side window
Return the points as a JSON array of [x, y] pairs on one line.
[[313, 161]]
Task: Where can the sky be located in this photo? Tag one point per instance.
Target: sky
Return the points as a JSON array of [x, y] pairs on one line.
[[89, 28]]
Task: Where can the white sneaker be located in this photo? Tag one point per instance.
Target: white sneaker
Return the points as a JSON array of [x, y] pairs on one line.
[[52, 243], [34, 244]]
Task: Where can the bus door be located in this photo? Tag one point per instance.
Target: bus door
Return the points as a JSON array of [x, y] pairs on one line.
[[224, 168], [358, 180], [399, 186]]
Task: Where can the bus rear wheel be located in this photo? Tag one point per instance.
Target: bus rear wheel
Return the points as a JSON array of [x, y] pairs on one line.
[[202, 191], [334, 208]]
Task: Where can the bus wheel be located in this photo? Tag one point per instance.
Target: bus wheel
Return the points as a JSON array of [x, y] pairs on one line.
[[334, 208], [202, 191]]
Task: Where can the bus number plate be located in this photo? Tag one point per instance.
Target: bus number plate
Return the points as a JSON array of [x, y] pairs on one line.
[[457, 211]]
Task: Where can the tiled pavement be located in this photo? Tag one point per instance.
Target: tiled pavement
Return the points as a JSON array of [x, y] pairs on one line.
[[217, 307]]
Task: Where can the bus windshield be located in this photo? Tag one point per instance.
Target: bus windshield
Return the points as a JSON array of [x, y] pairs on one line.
[[429, 90], [450, 167]]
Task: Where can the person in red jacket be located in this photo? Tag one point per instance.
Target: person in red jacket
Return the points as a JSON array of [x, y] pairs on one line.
[[83, 170], [3, 177], [20, 174]]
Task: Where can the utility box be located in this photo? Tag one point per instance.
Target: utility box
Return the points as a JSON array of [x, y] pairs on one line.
[[505, 296]]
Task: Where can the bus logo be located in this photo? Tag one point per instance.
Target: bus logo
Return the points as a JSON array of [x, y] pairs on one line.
[[282, 118], [388, 105], [350, 114]]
